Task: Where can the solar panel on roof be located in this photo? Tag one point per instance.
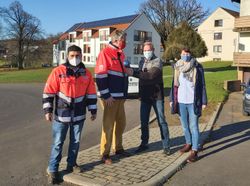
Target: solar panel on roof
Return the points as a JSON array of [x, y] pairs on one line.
[[75, 26], [106, 22]]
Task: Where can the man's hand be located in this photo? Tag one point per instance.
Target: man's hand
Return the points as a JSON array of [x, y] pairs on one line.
[[170, 104], [203, 107], [129, 71], [48, 117], [93, 117], [109, 101]]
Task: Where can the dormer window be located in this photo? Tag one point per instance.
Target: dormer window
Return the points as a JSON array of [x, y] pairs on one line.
[[103, 34], [71, 38]]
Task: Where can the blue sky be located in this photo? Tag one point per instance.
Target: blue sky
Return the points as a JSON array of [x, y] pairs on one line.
[[59, 15]]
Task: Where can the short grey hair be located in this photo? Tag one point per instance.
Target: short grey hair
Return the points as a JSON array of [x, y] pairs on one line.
[[150, 44], [118, 35]]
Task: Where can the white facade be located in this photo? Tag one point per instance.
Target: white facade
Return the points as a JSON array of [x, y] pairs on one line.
[[217, 32], [139, 25], [244, 8]]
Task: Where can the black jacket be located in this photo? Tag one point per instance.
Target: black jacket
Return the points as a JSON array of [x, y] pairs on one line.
[[150, 80]]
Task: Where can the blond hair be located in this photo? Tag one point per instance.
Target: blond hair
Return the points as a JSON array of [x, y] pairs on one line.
[[118, 35]]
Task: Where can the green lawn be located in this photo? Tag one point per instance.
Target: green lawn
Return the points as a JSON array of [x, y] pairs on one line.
[[215, 74], [25, 76]]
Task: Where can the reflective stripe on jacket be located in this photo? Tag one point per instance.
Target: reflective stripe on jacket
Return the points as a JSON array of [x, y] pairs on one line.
[[110, 74], [73, 92]]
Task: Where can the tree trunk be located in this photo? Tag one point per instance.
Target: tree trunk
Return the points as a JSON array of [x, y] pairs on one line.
[[20, 55]]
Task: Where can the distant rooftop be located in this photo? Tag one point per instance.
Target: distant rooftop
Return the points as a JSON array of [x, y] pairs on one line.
[[232, 12], [237, 1], [104, 22]]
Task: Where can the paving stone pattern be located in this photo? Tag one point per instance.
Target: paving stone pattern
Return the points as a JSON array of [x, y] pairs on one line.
[[137, 168]]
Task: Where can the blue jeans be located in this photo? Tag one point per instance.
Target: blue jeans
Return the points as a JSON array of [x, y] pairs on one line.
[[59, 131], [145, 109], [189, 122]]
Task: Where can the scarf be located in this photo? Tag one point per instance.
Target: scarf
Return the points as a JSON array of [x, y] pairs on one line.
[[188, 70]]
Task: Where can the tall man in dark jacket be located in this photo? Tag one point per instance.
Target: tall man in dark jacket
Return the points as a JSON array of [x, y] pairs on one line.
[[151, 94]]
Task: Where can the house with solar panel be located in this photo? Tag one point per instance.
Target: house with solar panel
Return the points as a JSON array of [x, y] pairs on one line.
[[92, 37]]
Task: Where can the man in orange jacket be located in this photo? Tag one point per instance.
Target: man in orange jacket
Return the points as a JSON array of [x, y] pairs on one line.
[[70, 89], [112, 82]]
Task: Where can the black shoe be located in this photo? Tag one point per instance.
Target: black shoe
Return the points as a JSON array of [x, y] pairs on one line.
[[123, 153], [141, 148], [167, 151], [75, 168], [53, 177]]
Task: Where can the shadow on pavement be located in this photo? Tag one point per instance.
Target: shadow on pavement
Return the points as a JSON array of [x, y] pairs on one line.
[[225, 132]]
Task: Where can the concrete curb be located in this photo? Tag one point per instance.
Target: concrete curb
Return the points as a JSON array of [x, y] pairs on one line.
[[163, 175]]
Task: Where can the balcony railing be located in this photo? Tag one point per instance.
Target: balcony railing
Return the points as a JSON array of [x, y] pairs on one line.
[[241, 59], [242, 24]]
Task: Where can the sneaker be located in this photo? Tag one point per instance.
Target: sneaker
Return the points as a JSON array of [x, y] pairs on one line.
[[193, 156], [141, 148], [53, 177], [123, 153], [167, 151], [75, 168], [186, 148], [106, 159]]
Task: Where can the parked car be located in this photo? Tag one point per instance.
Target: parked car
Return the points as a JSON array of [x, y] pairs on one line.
[[246, 99]]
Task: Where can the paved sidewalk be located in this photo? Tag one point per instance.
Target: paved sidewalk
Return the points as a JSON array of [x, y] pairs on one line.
[[151, 167]]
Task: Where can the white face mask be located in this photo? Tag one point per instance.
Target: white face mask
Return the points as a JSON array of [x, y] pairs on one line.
[[75, 61], [148, 54]]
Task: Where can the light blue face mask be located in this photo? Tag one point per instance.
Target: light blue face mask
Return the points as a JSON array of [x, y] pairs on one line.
[[186, 58]]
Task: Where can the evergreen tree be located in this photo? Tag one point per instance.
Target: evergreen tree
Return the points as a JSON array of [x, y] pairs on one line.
[[184, 36]]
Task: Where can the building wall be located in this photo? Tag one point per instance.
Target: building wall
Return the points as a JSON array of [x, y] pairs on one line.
[[229, 38], [244, 42], [142, 24], [244, 8]]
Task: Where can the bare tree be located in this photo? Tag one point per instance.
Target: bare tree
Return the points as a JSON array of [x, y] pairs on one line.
[[22, 27], [165, 15]]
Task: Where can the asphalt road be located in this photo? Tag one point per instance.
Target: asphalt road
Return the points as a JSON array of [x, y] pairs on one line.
[[225, 160], [25, 137]]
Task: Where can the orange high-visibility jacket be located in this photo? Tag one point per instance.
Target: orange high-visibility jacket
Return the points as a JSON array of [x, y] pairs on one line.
[[110, 74], [73, 92]]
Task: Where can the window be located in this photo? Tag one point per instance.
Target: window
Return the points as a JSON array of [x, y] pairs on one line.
[[86, 36], [103, 35], [138, 48], [217, 48], [142, 36], [88, 58], [84, 58], [218, 36], [102, 46], [71, 38], [86, 48], [62, 55], [218, 23]]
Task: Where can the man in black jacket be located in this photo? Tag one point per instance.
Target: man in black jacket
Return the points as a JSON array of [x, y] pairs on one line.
[[151, 95]]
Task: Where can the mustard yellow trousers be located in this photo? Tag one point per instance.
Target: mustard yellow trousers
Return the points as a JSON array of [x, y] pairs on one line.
[[114, 122]]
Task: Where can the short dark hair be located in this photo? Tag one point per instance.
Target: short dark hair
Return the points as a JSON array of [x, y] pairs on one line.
[[74, 48], [186, 49]]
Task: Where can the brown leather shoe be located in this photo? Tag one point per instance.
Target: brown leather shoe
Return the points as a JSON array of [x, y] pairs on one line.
[[193, 156], [185, 148], [106, 160]]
